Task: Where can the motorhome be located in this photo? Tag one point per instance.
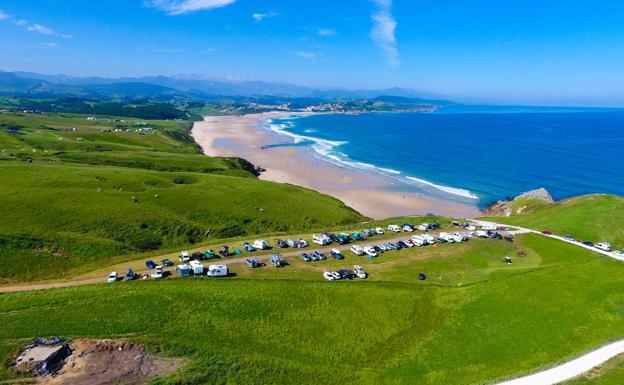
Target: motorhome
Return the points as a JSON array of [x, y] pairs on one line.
[[457, 237], [321, 239], [196, 267], [394, 228], [418, 240], [370, 251], [261, 244], [217, 271], [447, 237], [408, 227], [603, 246], [423, 227], [358, 250], [428, 238]]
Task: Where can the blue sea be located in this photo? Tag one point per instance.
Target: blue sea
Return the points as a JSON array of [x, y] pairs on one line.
[[473, 154]]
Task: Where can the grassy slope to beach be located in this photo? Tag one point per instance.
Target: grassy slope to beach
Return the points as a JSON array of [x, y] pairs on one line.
[[596, 217], [289, 326], [101, 199]]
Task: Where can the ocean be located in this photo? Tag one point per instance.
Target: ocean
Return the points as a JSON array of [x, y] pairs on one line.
[[473, 155]]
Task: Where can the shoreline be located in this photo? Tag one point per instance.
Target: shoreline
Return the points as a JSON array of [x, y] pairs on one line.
[[371, 195]]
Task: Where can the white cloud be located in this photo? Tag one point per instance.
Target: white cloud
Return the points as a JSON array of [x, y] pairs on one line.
[[21, 22], [257, 16], [48, 45], [179, 7], [3, 16], [42, 29], [384, 30], [305, 55], [325, 32]]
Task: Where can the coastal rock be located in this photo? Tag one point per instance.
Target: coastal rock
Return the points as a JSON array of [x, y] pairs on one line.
[[503, 208], [540, 193]]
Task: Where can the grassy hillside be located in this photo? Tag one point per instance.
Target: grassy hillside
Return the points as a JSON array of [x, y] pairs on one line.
[[288, 326], [598, 218], [94, 196]]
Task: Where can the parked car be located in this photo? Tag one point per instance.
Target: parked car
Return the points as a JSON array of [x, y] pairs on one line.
[[184, 256], [408, 227], [358, 250], [328, 275], [253, 262], [546, 232], [394, 228], [343, 238], [292, 243], [359, 272], [197, 255], [604, 246], [345, 274], [282, 244], [129, 275], [379, 230], [319, 255], [370, 251], [277, 261], [336, 254], [158, 273], [302, 243], [422, 276], [569, 238], [248, 247], [150, 264], [166, 262], [224, 251], [588, 243], [209, 254], [305, 257], [113, 277]]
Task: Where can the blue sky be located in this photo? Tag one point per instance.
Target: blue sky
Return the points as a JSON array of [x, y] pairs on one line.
[[534, 52]]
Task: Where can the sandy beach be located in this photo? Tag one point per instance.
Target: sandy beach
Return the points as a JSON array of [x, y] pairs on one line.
[[242, 136]]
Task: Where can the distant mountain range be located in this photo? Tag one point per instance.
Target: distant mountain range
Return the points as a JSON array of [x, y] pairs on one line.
[[28, 84]]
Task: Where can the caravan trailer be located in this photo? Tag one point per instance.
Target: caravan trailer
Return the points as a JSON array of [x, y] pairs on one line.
[[196, 267], [217, 271]]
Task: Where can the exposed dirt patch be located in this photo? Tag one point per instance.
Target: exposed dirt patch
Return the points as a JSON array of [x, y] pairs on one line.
[[100, 362]]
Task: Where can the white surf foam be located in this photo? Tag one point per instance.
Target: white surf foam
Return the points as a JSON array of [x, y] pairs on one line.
[[326, 149]]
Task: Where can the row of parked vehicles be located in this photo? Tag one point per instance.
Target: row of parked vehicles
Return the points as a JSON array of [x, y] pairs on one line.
[[604, 246], [358, 271]]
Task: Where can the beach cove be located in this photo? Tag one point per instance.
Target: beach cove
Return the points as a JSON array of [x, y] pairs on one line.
[[372, 195]]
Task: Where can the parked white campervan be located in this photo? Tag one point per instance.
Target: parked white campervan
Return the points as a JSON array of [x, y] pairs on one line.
[[482, 234], [217, 271], [321, 239], [488, 227], [423, 227], [457, 237], [394, 228], [447, 237], [261, 244], [418, 240], [357, 249], [603, 246], [428, 238], [370, 251], [196, 267]]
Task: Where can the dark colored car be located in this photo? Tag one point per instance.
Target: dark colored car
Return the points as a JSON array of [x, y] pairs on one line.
[[166, 262], [224, 252], [282, 244], [198, 255], [150, 264], [129, 275], [422, 276], [345, 274], [588, 243], [545, 232], [320, 255], [337, 255], [253, 262], [342, 239]]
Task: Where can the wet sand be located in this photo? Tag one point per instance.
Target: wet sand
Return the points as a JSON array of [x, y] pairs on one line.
[[371, 195]]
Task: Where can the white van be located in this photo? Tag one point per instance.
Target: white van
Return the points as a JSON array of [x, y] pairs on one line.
[[261, 244], [394, 228], [447, 237], [196, 267], [321, 239], [217, 271], [358, 250], [428, 238], [418, 240], [603, 246], [370, 251], [184, 256]]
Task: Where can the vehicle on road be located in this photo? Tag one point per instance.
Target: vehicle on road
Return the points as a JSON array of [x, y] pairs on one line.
[[113, 277], [569, 238], [604, 246], [588, 243], [546, 232]]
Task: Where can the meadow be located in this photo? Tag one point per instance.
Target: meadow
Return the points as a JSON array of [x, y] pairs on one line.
[[483, 321], [75, 200]]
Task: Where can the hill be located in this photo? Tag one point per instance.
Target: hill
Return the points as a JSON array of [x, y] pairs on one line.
[[597, 217], [81, 192], [474, 324]]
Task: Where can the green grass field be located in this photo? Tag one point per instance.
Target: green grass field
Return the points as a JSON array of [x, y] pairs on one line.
[[597, 218], [89, 203], [289, 326]]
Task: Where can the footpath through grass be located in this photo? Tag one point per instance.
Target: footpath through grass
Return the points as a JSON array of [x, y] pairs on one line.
[[391, 329]]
